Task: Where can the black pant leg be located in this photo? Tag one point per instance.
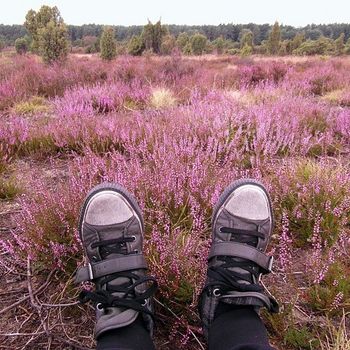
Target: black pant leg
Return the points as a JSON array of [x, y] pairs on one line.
[[132, 337], [238, 328]]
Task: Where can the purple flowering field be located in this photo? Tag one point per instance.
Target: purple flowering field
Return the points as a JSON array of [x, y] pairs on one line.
[[174, 131]]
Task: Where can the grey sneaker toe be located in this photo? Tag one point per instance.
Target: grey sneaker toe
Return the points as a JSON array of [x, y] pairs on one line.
[[111, 230], [241, 228]]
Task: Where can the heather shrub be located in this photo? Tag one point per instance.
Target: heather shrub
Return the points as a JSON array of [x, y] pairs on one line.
[[100, 98], [47, 231], [316, 199], [342, 125], [175, 69], [106, 123], [251, 75], [332, 294]]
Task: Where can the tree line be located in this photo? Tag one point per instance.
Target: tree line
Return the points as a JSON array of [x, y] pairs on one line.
[[9, 33], [44, 32]]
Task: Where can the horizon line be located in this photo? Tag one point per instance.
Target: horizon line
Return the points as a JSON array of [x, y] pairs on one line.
[[196, 25]]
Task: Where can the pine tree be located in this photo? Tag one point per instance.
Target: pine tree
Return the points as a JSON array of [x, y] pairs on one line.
[[48, 32], [273, 43], [53, 44], [108, 44], [219, 45], [135, 46], [339, 44], [37, 21], [152, 36], [347, 47], [247, 38], [297, 41], [168, 44]]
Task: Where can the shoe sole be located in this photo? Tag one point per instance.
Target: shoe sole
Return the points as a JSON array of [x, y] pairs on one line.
[[228, 192], [114, 187]]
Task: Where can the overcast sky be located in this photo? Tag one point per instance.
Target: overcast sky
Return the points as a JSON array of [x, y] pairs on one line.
[[128, 12]]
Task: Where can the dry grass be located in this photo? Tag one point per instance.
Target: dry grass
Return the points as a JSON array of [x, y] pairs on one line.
[[337, 337], [162, 98]]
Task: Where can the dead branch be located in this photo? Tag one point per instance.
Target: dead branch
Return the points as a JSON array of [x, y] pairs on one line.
[[39, 290]]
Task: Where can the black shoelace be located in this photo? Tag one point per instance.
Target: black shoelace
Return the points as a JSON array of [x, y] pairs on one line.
[[130, 297], [224, 279]]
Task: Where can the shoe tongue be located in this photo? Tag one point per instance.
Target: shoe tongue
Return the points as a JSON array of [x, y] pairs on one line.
[[112, 232], [242, 238]]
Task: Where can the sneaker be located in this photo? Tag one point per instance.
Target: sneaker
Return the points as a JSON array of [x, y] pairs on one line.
[[111, 230], [241, 228]]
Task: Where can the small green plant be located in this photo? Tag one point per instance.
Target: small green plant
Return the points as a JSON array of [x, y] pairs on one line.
[[333, 292], [8, 188], [300, 338]]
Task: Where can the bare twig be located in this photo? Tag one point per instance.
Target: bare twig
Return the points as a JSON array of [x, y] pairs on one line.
[[60, 305], [33, 301], [21, 334], [39, 290]]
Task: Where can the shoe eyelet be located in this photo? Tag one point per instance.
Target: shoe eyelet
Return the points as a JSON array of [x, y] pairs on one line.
[[216, 292], [99, 307], [136, 251], [134, 238], [220, 229], [144, 303]]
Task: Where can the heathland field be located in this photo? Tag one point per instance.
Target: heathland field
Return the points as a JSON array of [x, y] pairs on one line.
[[175, 131]]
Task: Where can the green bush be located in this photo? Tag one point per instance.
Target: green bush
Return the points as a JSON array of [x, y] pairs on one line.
[[21, 45], [8, 188], [108, 44], [321, 46], [198, 43], [182, 40]]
